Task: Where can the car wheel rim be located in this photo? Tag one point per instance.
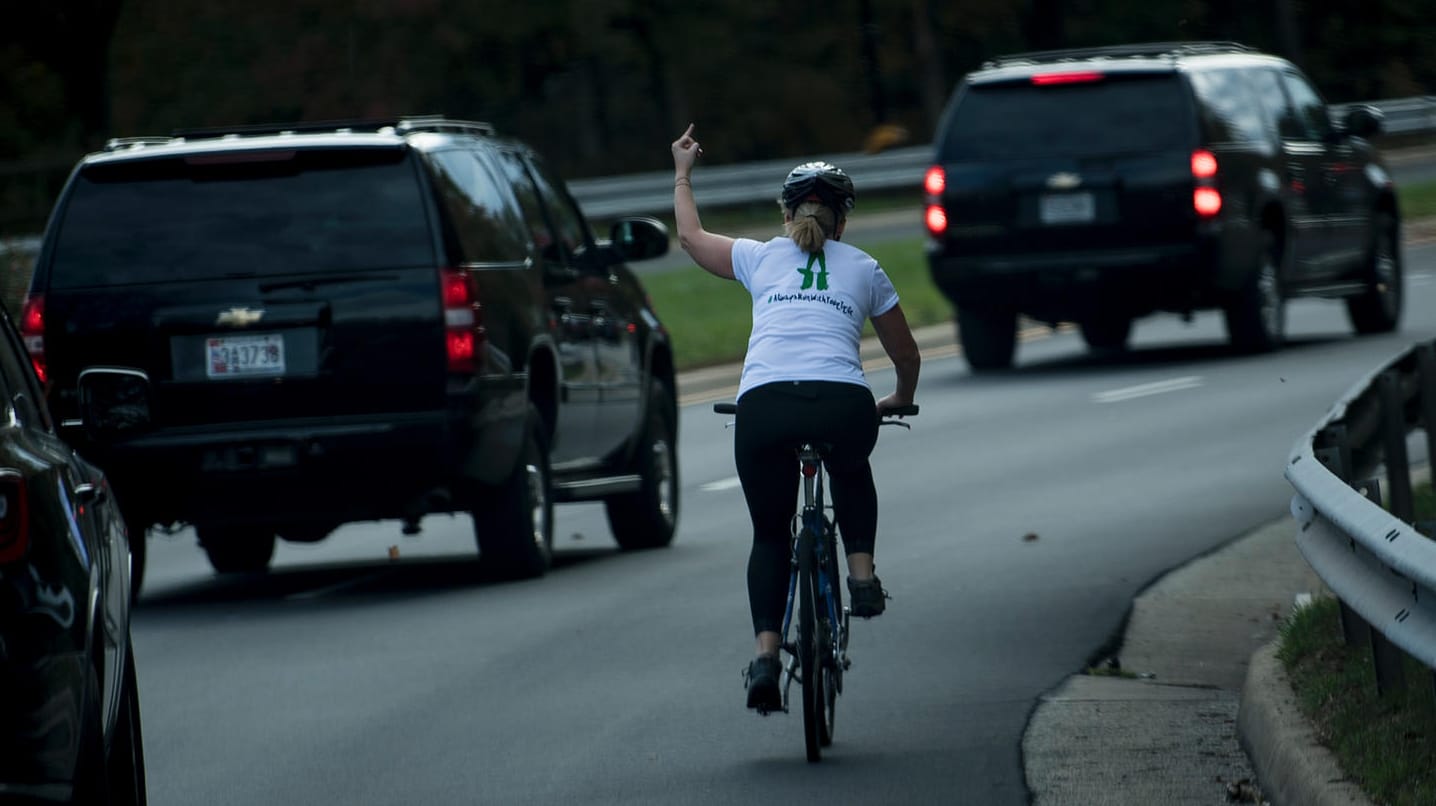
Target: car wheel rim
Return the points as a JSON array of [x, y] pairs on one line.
[[663, 477], [538, 505]]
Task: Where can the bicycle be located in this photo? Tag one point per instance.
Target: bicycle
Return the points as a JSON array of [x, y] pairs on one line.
[[819, 657]]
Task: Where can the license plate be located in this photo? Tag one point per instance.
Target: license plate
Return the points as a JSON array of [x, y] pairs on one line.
[[1067, 208], [244, 356]]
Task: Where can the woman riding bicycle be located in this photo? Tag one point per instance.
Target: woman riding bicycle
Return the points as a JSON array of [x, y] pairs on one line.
[[803, 381]]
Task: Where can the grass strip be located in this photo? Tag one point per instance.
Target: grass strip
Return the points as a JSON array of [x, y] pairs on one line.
[[1385, 743], [1417, 201]]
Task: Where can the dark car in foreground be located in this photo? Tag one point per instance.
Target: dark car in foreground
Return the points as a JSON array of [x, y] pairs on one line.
[[69, 703], [284, 329], [1100, 185]]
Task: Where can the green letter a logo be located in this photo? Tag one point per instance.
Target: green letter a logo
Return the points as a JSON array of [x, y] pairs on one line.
[[822, 272]]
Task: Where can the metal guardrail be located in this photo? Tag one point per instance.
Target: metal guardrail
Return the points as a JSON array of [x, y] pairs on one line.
[[1377, 561], [896, 169]]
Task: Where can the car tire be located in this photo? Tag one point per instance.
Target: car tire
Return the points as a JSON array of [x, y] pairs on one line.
[[1107, 335], [237, 549], [514, 522], [1256, 316], [91, 777], [1379, 309], [989, 338], [647, 518], [126, 762]]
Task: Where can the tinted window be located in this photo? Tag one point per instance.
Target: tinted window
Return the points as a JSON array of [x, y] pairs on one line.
[[242, 215], [1310, 109], [558, 228], [488, 227], [1114, 115], [568, 225], [1230, 110], [1267, 84], [533, 210]]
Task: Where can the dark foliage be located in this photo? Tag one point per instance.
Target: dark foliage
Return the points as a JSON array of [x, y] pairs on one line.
[[602, 86]]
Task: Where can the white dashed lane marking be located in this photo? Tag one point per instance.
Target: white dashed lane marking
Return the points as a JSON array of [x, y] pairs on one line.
[[1147, 389]]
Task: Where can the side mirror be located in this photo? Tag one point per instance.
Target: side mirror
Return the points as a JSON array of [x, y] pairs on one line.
[[1363, 121], [639, 238], [114, 402]]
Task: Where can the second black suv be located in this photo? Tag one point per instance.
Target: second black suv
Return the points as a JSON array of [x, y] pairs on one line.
[[273, 331], [1100, 185]]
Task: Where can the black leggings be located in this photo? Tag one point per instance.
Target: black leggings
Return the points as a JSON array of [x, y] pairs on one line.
[[772, 420]]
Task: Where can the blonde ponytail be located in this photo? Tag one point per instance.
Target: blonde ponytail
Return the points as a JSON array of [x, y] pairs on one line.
[[810, 226]]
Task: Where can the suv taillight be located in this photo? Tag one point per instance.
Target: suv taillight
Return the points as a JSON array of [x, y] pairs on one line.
[[32, 329], [463, 326], [14, 517], [934, 182], [1206, 199]]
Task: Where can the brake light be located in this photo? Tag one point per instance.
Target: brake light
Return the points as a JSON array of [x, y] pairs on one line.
[[14, 517], [1080, 77], [32, 330], [934, 182], [463, 326], [1204, 164], [1206, 199], [936, 220]]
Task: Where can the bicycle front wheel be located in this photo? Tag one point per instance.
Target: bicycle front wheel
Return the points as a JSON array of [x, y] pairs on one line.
[[810, 662]]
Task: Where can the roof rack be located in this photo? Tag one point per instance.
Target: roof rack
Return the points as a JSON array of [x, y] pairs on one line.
[[439, 123], [117, 143], [1148, 50], [402, 125]]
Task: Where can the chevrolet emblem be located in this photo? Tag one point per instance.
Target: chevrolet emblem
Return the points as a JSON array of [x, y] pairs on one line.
[[239, 317], [1064, 181]]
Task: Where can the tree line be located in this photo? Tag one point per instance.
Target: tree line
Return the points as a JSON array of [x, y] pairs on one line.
[[602, 86]]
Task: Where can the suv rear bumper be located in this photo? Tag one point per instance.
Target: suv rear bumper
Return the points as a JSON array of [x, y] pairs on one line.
[[1071, 286], [298, 473]]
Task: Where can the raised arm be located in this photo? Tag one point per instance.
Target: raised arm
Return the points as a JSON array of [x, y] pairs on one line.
[[709, 250], [896, 338]]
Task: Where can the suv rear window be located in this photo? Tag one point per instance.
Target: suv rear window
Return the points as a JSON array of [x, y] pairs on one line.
[[242, 214], [1116, 114]]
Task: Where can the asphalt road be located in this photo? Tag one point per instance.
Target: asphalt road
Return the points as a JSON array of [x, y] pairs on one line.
[[1020, 516]]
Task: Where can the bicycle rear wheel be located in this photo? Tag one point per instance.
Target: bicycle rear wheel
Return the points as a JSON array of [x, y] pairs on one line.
[[810, 662]]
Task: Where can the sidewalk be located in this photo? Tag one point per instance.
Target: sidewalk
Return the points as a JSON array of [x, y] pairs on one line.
[[1208, 698]]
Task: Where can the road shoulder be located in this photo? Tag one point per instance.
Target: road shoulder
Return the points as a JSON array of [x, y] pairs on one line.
[[1167, 730]]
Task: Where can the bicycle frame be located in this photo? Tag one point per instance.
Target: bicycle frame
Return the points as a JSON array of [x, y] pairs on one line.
[[813, 518]]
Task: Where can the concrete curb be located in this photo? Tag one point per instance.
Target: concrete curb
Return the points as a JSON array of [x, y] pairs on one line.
[[1290, 762]]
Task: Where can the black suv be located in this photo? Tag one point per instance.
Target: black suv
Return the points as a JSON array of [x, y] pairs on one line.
[[1100, 185], [273, 331]]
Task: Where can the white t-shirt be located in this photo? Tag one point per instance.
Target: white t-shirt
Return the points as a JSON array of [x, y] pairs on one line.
[[808, 310]]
